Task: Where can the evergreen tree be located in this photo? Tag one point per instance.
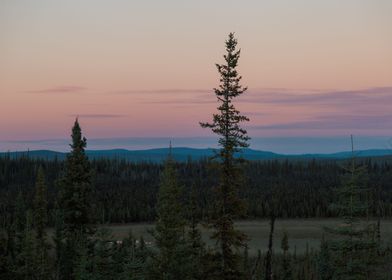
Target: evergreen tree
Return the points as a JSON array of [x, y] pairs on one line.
[[171, 259], [76, 187], [355, 237], [226, 124], [40, 221], [75, 202]]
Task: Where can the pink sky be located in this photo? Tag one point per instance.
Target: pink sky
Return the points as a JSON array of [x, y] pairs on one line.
[[143, 68]]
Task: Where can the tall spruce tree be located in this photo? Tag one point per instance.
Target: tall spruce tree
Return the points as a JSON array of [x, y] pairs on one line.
[[171, 259], [354, 241], [75, 202], [226, 124], [76, 186]]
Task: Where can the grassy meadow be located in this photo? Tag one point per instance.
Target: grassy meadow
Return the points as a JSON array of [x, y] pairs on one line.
[[302, 233]]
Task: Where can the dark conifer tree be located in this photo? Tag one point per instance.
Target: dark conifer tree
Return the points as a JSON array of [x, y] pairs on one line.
[[76, 187], [226, 124], [171, 259], [75, 202], [354, 241]]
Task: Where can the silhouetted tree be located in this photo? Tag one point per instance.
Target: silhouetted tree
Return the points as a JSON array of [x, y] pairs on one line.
[[75, 201], [226, 124], [355, 238], [171, 259]]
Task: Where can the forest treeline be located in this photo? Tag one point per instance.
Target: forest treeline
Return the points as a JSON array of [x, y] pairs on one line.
[[127, 192]]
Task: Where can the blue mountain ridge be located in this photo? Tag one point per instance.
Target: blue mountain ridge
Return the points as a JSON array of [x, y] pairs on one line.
[[184, 153]]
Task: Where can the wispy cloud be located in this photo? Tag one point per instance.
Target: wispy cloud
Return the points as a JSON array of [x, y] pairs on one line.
[[160, 91], [97, 116], [337, 122], [60, 89], [190, 101], [258, 114], [345, 97]]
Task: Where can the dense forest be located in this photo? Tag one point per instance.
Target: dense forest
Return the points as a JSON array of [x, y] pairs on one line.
[[127, 192], [73, 196]]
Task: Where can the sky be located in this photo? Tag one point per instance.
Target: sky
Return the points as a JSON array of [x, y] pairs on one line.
[[317, 71]]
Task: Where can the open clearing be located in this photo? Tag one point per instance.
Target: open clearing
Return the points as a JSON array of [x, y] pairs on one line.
[[302, 233]]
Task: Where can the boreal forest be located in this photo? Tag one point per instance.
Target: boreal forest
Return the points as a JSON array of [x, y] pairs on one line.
[[58, 217]]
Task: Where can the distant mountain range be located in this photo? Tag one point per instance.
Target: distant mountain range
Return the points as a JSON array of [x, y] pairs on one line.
[[183, 154]]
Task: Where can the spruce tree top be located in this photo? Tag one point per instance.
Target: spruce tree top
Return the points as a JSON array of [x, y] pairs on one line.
[[78, 167], [227, 123], [78, 142]]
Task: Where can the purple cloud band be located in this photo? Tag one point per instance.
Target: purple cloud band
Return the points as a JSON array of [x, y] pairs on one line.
[[60, 89], [357, 122]]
